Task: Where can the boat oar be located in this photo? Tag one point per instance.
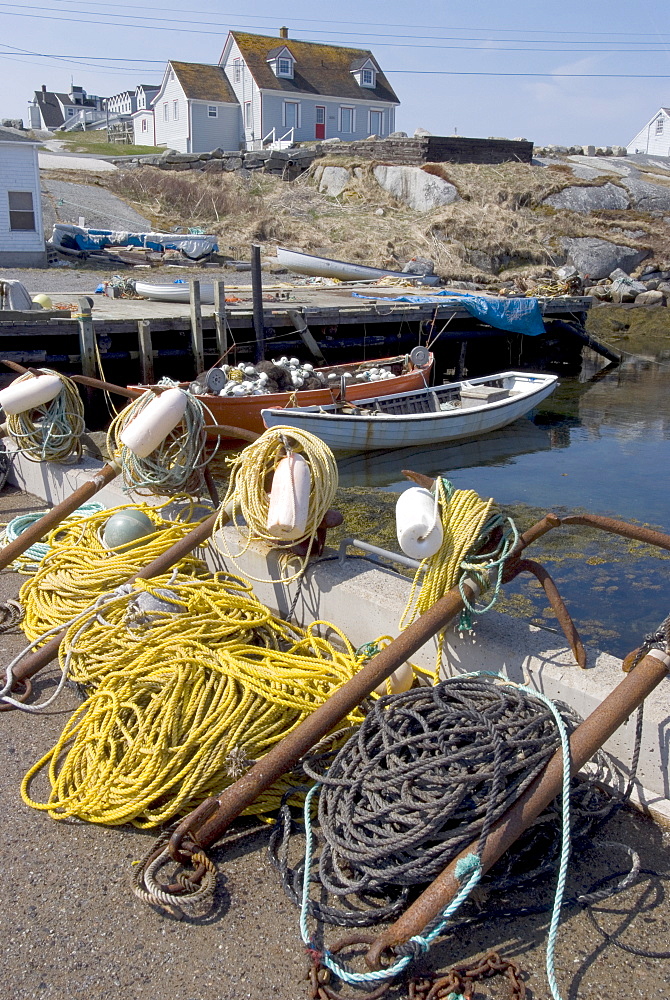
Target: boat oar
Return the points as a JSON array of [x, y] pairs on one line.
[[584, 742], [209, 820]]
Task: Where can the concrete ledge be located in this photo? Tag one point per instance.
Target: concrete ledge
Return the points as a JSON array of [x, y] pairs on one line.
[[23, 258], [366, 601]]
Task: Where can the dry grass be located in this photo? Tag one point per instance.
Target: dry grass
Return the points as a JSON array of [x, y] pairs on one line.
[[499, 225]]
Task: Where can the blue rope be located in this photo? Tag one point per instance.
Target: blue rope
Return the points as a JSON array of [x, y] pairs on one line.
[[28, 561], [468, 868]]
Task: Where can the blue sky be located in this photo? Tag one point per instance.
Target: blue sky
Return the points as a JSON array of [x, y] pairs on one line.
[[449, 63]]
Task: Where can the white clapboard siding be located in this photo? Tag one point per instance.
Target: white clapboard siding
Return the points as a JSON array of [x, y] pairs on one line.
[[19, 171], [654, 138], [174, 134]]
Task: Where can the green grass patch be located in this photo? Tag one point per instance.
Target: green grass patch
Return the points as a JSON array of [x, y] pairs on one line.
[[95, 142]]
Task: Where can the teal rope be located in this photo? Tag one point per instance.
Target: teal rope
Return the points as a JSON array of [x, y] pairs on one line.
[[470, 866], [32, 557]]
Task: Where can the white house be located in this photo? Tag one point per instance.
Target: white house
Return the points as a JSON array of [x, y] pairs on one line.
[[195, 110], [143, 119], [267, 89], [654, 138], [49, 110], [21, 232], [124, 103], [306, 90]]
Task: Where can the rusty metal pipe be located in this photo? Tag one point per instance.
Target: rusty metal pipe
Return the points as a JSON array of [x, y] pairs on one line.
[[584, 742], [52, 518], [637, 532], [563, 615]]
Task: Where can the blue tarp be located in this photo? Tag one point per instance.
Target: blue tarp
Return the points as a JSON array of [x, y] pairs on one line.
[[515, 315]]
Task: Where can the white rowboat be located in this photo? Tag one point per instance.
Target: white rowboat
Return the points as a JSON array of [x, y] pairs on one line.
[[451, 412]]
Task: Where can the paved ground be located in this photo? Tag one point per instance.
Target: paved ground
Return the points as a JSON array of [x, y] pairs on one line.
[[74, 161], [63, 201], [71, 929]]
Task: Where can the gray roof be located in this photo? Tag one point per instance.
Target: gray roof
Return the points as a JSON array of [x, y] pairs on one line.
[[48, 103]]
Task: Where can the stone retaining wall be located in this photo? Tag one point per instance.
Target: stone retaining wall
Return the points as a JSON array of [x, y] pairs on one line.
[[435, 149], [286, 163]]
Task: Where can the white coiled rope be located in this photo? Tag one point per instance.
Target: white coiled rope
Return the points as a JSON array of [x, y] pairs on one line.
[[54, 435], [176, 465]]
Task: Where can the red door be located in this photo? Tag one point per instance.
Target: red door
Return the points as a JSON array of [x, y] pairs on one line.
[[320, 127]]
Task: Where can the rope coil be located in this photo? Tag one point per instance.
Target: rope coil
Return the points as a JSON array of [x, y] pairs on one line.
[[248, 498], [54, 435], [176, 466]]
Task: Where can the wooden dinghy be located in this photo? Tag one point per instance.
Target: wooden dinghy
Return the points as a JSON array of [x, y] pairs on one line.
[[455, 411], [245, 411]]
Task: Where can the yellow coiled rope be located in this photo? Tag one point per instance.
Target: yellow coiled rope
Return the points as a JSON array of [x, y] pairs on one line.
[[250, 477], [182, 703], [466, 521], [78, 568], [54, 436]]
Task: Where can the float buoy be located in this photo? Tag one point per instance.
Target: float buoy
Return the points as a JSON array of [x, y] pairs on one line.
[[418, 528], [27, 393], [126, 528], [153, 424], [289, 498]]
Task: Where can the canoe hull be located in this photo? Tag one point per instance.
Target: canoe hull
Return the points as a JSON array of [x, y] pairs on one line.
[[342, 432], [324, 267]]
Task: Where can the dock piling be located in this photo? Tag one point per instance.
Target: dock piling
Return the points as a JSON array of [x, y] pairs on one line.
[[257, 296], [145, 351], [196, 328], [220, 318]]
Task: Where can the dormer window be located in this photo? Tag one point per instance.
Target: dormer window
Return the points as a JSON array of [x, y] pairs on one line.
[[364, 72], [281, 62]]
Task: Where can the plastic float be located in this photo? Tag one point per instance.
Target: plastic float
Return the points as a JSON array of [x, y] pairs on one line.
[[418, 526], [289, 498]]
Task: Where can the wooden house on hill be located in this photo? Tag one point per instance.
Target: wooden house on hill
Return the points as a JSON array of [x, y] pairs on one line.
[[194, 111], [654, 138], [21, 233]]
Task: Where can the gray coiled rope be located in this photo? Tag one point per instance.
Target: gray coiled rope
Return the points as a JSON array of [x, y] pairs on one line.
[[427, 773]]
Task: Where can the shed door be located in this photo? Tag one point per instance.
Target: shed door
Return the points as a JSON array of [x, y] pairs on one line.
[[320, 127]]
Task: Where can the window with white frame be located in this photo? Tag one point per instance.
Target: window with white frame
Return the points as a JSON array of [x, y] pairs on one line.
[[368, 78], [166, 112], [237, 70], [285, 67], [659, 126], [291, 114], [175, 110], [212, 111], [21, 211], [346, 119], [247, 114], [144, 124], [376, 122]]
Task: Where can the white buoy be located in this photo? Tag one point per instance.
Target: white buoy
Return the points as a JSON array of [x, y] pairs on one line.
[[418, 524], [153, 424], [289, 498], [29, 393], [401, 680]]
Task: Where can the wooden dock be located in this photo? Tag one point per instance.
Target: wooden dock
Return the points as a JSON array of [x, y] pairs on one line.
[[180, 339]]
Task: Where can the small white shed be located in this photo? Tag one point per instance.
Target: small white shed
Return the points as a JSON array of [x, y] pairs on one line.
[[21, 230]]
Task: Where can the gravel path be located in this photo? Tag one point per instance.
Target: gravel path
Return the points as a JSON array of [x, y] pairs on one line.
[[72, 930], [63, 201]]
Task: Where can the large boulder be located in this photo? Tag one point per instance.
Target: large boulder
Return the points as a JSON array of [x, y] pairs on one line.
[[647, 197], [589, 199], [598, 258], [333, 180], [415, 187]]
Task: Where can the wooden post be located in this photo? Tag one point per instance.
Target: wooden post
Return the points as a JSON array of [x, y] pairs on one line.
[[461, 370], [86, 337], [145, 351], [220, 318], [196, 328], [257, 295]]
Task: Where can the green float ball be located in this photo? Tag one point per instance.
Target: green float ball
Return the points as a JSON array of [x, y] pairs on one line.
[[126, 528]]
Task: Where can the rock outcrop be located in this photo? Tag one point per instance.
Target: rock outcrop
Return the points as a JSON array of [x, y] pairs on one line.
[[589, 199], [598, 258], [415, 187]]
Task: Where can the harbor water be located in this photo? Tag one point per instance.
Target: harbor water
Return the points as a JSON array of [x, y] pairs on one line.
[[600, 444]]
